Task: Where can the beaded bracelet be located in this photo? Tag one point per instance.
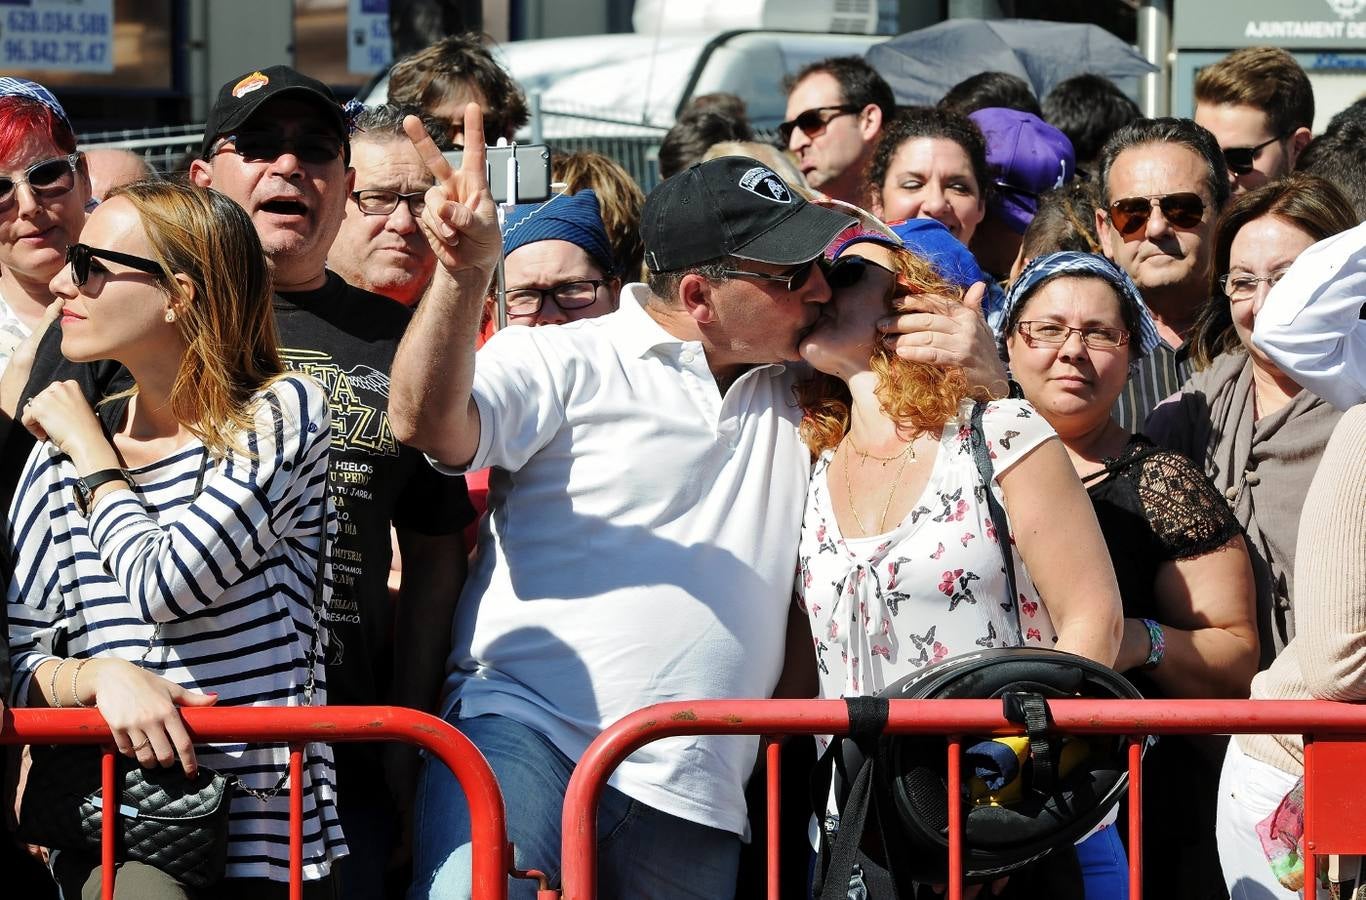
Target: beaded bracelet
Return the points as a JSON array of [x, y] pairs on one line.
[[75, 695], [52, 684], [1157, 644]]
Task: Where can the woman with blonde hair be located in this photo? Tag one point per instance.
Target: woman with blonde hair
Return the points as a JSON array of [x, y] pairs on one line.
[[178, 558]]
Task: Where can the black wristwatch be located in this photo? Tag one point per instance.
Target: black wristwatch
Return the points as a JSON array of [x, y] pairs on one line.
[[86, 484]]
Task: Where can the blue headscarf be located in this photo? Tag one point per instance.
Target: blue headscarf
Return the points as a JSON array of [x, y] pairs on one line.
[[565, 217], [1070, 262], [32, 90]]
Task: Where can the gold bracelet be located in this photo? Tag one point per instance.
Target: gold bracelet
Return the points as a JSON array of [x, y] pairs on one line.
[[52, 684], [75, 695]]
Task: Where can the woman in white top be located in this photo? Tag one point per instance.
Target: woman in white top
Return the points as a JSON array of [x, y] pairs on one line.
[[174, 562]]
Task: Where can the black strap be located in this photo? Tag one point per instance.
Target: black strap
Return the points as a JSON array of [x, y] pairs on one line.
[[982, 456], [1031, 710]]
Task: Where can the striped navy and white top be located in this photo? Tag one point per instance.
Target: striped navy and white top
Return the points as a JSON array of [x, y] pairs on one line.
[[219, 585]]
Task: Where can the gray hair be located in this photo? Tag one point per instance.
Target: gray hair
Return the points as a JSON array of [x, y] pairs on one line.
[[1184, 132], [384, 122]]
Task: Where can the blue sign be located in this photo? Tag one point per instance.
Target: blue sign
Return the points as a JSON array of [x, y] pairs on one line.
[[57, 35]]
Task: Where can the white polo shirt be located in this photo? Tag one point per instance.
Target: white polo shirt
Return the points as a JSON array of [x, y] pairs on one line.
[[640, 546]]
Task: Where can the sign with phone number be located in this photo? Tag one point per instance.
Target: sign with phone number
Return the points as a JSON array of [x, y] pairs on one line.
[[64, 35]]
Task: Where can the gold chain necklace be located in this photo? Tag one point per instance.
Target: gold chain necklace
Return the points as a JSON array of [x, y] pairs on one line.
[[906, 456], [865, 455]]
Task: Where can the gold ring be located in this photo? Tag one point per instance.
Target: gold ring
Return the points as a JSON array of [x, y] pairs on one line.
[[136, 748]]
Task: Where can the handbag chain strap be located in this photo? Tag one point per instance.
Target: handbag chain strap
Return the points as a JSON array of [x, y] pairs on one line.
[[310, 657]]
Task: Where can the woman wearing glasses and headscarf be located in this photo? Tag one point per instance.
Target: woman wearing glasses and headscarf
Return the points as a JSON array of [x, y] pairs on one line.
[[178, 558], [1256, 433], [1074, 324]]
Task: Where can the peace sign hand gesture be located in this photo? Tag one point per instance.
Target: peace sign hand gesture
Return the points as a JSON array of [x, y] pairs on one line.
[[460, 220]]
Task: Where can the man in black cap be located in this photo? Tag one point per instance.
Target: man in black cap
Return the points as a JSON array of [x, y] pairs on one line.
[[642, 531], [276, 142]]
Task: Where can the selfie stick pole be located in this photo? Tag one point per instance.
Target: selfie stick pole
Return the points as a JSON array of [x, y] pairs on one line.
[[503, 208]]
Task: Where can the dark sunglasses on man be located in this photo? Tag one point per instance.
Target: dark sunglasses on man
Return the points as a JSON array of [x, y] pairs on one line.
[[814, 121], [1181, 210], [48, 178], [1240, 160], [80, 256], [268, 146]]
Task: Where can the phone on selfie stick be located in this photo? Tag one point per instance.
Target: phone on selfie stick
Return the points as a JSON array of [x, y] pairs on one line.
[[517, 173]]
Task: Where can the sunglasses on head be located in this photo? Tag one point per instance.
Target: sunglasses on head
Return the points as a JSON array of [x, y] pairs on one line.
[[1130, 214], [79, 257], [813, 121], [49, 178], [1240, 159], [268, 146]]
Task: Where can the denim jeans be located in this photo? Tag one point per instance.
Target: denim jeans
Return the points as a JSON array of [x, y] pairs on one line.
[[1104, 865], [642, 852]]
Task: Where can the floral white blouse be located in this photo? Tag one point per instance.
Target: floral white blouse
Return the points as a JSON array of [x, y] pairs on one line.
[[935, 586]]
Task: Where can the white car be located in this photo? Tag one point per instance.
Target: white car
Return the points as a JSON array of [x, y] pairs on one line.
[[634, 84]]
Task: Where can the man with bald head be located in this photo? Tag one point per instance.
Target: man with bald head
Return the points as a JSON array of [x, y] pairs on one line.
[[111, 167]]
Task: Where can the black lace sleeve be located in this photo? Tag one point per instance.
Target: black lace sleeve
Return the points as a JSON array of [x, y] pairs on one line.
[[1188, 516]]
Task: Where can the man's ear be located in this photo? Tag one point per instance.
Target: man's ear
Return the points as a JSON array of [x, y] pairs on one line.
[[350, 180], [1299, 139], [870, 121], [201, 173], [1103, 232], [695, 293]]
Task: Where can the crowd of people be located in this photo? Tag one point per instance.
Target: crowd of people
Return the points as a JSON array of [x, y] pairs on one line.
[[265, 443]]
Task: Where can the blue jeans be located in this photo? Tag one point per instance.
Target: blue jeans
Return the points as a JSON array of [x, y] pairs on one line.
[[642, 852], [1104, 865]]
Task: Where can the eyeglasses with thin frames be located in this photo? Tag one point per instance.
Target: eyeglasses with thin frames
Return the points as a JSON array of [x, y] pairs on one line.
[[1096, 337], [814, 121], [1241, 160], [525, 302], [48, 178], [378, 202], [1243, 286], [80, 256]]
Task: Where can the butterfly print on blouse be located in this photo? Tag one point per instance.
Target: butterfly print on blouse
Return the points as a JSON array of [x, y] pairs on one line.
[[1008, 437], [918, 512], [990, 639], [924, 644], [954, 584], [955, 507]]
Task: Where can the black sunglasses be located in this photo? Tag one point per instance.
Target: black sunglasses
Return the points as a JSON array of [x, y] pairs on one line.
[[813, 121], [49, 178], [792, 280], [268, 146], [1240, 159], [80, 255], [1130, 214]]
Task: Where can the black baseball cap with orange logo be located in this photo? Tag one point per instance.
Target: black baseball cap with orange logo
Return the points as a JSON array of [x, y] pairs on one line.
[[243, 95]]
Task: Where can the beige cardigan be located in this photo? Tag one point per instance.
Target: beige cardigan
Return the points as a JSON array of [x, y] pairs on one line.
[[1326, 659]]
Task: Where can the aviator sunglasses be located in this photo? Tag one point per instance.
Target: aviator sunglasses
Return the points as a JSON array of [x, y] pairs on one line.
[[49, 178], [1130, 214], [79, 256]]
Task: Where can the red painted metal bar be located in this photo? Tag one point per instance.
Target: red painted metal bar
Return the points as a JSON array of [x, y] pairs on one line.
[[955, 789], [298, 725], [1135, 818], [109, 793], [296, 822], [773, 751], [943, 717]]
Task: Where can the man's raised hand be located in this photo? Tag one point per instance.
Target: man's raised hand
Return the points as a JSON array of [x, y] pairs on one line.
[[460, 220]]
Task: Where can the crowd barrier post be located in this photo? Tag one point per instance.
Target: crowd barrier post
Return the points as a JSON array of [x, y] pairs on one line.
[[298, 726], [1335, 748]]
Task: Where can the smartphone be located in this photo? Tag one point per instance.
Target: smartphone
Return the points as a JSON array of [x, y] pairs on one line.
[[533, 171]]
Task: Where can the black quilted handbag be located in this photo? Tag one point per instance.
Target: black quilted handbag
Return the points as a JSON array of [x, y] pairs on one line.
[[177, 824]]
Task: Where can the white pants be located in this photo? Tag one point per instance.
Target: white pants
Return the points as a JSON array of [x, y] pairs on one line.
[[1249, 791]]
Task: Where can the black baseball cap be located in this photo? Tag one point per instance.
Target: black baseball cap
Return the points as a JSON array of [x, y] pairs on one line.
[[733, 206], [243, 95]]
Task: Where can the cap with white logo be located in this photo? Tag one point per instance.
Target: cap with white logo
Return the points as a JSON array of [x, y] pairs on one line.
[[733, 206]]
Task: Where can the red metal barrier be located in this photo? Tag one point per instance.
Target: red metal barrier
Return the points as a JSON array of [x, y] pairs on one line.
[[1335, 742], [298, 726]]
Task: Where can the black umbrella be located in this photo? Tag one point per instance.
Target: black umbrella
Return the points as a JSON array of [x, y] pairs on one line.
[[922, 65]]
